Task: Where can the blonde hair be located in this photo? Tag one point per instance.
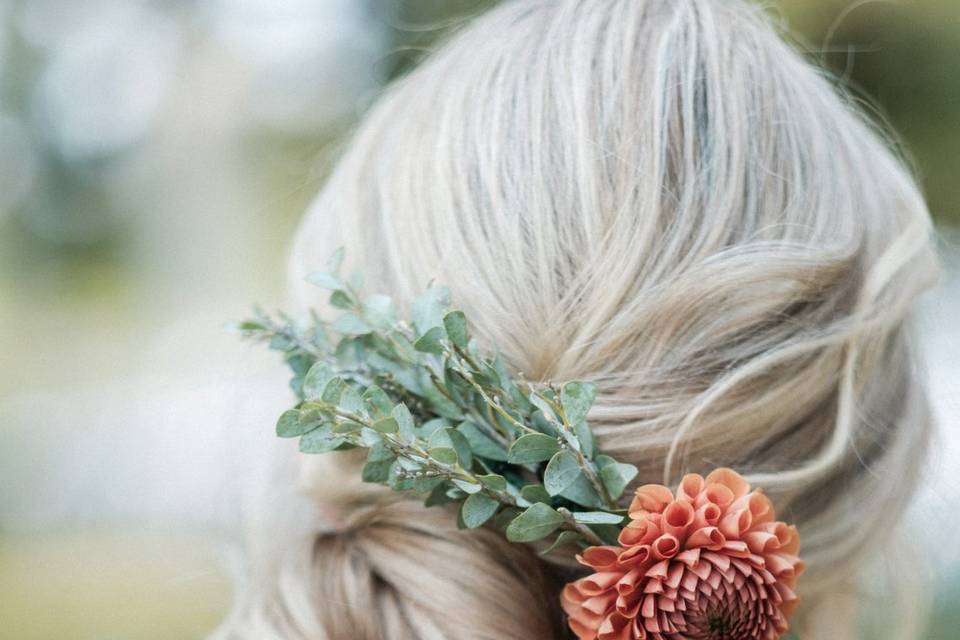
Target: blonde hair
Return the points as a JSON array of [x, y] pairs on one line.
[[662, 197]]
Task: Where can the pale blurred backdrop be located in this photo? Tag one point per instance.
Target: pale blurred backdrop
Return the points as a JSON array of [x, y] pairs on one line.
[[155, 156]]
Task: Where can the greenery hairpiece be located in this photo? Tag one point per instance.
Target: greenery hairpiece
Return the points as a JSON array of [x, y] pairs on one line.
[[440, 417]]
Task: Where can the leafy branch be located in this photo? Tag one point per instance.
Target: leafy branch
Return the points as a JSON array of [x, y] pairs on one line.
[[440, 418]]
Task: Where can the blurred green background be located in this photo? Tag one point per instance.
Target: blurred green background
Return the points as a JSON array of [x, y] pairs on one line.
[[155, 157]]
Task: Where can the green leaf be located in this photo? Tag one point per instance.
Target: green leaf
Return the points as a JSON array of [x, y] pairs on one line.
[[320, 441], [280, 342], [426, 484], [378, 311], [336, 260], [449, 437], [333, 390], [427, 309], [439, 403], [467, 487], [247, 325], [561, 472], [456, 325], [289, 425], [583, 493], [535, 493], [350, 324], [431, 341], [351, 353], [408, 464], [608, 533], [615, 475], [482, 444], [401, 373], [324, 280], [377, 400], [538, 521], [316, 379], [576, 399], [459, 389], [404, 422], [402, 346], [438, 496], [506, 381], [446, 455], [314, 412], [428, 428], [397, 481], [536, 399], [351, 402], [505, 517], [346, 427], [486, 374], [370, 438], [341, 299], [379, 452], [299, 363], [493, 481], [533, 447], [565, 538], [377, 471], [584, 435], [597, 517], [386, 425], [477, 509], [543, 424]]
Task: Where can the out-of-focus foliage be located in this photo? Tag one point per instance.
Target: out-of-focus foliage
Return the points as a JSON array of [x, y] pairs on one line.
[[903, 58]]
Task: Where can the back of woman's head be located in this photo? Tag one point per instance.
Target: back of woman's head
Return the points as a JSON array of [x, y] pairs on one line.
[[659, 196]]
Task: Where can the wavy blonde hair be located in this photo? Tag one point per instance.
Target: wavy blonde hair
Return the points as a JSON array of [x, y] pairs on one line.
[[662, 197]]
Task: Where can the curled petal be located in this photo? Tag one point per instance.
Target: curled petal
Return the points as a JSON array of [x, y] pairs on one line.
[[614, 627], [781, 564], [730, 479], [597, 583], [759, 505], [736, 523], [715, 493], [788, 539], [707, 515], [639, 532], [690, 487], [650, 498], [708, 537], [677, 519], [599, 605], [600, 559], [666, 546], [635, 556]]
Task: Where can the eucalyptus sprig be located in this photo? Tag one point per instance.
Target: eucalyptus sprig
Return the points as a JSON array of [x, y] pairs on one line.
[[442, 418]]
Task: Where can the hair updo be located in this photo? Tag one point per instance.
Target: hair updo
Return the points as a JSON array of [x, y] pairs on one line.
[[661, 197]]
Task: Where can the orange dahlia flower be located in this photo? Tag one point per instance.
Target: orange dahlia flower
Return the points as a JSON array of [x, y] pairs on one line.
[[709, 563]]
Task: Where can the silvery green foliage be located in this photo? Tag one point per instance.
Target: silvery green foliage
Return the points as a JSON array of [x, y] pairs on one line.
[[441, 418]]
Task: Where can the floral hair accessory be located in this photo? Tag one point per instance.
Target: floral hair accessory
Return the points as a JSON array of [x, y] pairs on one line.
[[710, 562], [439, 417]]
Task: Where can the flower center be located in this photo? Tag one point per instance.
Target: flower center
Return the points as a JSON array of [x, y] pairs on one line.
[[718, 625]]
